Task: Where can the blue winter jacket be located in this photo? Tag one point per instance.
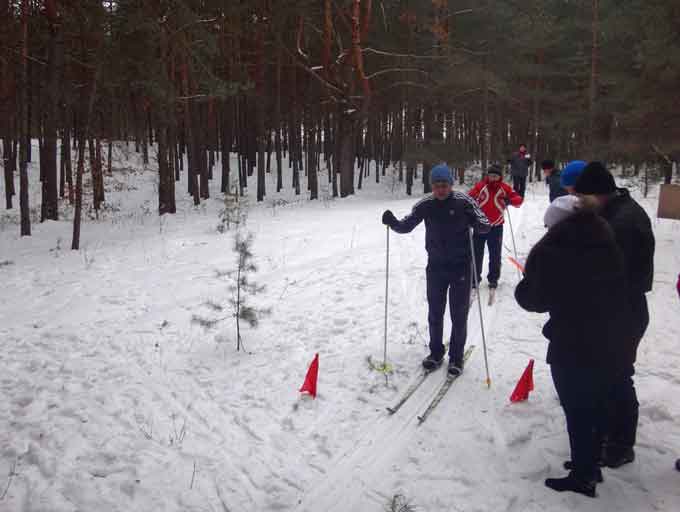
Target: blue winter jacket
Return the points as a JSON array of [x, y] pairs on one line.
[[447, 228]]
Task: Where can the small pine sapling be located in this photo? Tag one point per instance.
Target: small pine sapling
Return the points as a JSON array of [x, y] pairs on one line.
[[231, 213], [241, 289]]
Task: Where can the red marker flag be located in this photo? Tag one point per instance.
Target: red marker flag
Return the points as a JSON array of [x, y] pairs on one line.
[[524, 385], [309, 386]]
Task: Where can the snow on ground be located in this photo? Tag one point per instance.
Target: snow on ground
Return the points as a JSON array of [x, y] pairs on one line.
[[111, 400]]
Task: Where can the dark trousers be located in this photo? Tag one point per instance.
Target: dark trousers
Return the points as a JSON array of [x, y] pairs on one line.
[[581, 391], [454, 282], [494, 240], [621, 401], [519, 183]]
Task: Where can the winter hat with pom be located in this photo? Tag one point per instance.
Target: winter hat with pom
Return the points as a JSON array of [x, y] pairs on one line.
[[595, 180], [571, 173], [441, 173], [560, 209]]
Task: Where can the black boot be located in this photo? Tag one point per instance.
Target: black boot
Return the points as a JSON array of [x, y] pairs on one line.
[[599, 478], [432, 362], [455, 367], [677, 464], [617, 456], [572, 483]]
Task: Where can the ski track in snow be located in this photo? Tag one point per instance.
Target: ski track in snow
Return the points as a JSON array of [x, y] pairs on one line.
[[102, 371]]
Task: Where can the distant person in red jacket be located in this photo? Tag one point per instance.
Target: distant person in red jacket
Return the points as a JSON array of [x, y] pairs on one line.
[[493, 196]]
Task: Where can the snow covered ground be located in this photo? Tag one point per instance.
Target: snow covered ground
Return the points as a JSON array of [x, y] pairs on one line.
[[111, 400]]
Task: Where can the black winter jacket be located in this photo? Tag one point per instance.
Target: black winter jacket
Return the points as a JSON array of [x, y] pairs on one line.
[[576, 274], [555, 185], [447, 228], [635, 237], [519, 165]]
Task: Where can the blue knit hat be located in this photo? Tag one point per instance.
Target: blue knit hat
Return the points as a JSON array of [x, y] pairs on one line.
[[571, 173], [441, 172]]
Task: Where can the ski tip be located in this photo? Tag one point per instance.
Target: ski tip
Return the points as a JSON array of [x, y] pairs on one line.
[[390, 410], [420, 420]]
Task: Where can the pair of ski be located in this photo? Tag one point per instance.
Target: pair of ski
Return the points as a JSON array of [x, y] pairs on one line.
[[441, 392]]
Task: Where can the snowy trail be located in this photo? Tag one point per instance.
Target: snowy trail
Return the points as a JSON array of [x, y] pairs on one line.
[[358, 474]]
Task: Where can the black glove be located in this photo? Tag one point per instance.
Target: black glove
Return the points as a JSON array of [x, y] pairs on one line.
[[388, 218]]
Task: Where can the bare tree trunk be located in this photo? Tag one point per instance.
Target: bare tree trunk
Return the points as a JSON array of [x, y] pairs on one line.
[[82, 137], [8, 163], [592, 97], [344, 139], [66, 160], [226, 139], [50, 201], [166, 188], [109, 157], [24, 135], [75, 245], [260, 103], [313, 180]]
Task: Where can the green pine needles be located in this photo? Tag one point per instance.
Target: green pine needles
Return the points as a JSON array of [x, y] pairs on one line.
[[241, 288]]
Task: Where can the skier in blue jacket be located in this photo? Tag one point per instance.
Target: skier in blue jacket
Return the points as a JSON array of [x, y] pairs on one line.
[[448, 216]]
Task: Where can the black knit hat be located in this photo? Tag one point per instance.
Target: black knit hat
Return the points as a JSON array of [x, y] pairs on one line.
[[495, 169], [595, 180], [548, 164]]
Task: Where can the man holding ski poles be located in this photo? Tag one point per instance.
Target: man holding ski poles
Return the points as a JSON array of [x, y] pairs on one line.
[[448, 217]]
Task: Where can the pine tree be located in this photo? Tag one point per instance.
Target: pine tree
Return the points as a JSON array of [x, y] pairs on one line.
[[241, 288]]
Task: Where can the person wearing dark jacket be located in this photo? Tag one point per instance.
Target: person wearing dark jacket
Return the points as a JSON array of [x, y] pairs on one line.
[[576, 274], [553, 177], [634, 236], [519, 169], [448, 217]]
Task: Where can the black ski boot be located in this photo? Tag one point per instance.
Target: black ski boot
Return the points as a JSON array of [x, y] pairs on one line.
[[572, 483], [455, 367], [616, 456], [431, 362], [599, 478]]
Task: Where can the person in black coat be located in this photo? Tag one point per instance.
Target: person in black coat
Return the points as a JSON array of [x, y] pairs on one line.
[[576, 274], [553, 177], [448, 217], [520, 164], [633, 231]]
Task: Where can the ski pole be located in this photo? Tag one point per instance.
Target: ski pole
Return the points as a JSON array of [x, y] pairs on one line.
[[479, 303], [387, 286], [514, 246]]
